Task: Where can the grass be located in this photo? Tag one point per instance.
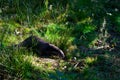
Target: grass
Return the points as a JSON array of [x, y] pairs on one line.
[[68, 25], [22, 64]]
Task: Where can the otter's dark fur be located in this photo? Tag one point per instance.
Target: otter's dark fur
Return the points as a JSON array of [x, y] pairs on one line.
[[41, 47]]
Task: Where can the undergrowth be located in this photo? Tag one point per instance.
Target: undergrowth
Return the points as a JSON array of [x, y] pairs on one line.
[[77, 27]]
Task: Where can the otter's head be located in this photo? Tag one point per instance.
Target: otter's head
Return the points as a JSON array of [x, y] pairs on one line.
[[55, 50]]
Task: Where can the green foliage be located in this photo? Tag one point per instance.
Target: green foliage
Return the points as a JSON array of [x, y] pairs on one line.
[[54, 34], [90, 60], [68, 24], [85, 28], [85, 33], [12, 33], [118, 23], [68, 16], [15, 63], [19, 62], [91, 74], [58, 75]]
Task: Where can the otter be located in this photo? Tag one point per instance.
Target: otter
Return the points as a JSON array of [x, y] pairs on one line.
[[41, 47]]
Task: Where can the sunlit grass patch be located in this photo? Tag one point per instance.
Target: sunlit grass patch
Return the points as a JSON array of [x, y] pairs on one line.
[[24, 63], [90, 60], [59, 35], [12, 33]]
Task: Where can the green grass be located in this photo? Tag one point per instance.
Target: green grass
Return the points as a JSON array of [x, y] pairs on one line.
[[67, 24], [26, 65], [117, 21]]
